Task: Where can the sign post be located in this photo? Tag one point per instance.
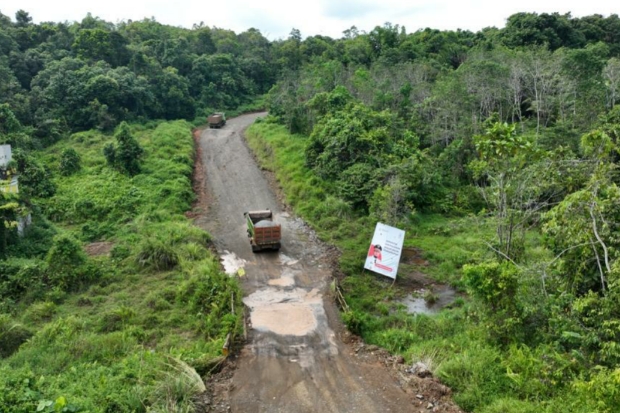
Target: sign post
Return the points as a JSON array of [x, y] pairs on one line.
[[385, 250]]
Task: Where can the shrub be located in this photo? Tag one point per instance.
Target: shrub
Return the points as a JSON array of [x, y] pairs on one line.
[[40, 312], [126, 155], [65, 261], [176, 393], [476, 375], [116, 319], [157, 254], [600, 393], [21, 276], [69, 162], [12, 335]]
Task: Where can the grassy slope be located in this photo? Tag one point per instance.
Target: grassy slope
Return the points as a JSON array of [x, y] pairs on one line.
[[112, 345], [485, 378]]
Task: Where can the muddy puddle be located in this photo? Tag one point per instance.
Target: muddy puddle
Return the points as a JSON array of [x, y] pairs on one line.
[[416, 304], [285, 312]]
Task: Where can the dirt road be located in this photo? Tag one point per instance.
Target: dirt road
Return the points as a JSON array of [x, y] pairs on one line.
[[295, 359]]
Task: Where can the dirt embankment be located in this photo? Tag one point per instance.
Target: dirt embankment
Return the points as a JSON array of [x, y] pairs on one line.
[[299, 357]]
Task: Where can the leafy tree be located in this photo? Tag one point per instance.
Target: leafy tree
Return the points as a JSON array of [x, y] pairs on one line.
[[126, 154], [611, 74], [8, 121], [531, 29], [511, 183], [22, 19], [582, 227], [69, 162], [172, 94], [35, 180], [65, 261]]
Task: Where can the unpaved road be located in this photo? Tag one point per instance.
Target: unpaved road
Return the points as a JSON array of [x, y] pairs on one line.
[[295, 359]]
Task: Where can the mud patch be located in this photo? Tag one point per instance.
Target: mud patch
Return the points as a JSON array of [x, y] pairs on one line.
[[285, 319], [414, 256], [231, 262], [98, 248], [291, 312]]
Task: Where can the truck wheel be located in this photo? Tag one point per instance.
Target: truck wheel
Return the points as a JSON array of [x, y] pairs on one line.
[[277, 246], [255, 248]]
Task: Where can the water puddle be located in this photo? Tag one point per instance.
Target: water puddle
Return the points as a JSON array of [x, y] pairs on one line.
[[232, 263], [416, 304], [291, 312]]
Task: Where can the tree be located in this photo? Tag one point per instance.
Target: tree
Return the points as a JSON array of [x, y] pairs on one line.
[[69, 162], [98, 44], [126, 154], [511, 182], [611, 74], [35, 180], [22, 18], [583, 228]]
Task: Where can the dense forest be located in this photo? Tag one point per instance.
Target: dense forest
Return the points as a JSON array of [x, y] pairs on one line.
[[497, 150]]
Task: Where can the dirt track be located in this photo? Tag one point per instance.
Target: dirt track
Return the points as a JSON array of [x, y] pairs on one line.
[[296, 358]]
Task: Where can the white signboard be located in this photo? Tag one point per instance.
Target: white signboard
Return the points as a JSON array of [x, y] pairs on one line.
[[385, 249]]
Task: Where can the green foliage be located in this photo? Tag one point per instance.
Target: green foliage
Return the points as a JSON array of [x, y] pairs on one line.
[[209, 292], [157, 254], [20, 277], [118, 326], [67, 264], [600, 392], [391, 116], [126, 154], [69, 162], [12, 335], [496, 286], [34, 179], [476, 376]]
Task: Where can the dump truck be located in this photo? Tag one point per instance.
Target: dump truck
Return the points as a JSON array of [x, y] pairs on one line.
[[216, 120], [263, 232]]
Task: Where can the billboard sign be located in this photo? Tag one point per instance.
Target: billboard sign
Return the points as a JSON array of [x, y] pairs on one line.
[[385, 249]]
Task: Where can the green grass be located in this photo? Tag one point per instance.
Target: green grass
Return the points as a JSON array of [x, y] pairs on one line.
[[158, 310]]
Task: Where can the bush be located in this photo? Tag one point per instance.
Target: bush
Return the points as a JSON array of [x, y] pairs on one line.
[[65, 261], [157, 254], [21, 276], [208, 291], [12, 335], [40, 312], [69, 162], [600, 393], [476, 375]]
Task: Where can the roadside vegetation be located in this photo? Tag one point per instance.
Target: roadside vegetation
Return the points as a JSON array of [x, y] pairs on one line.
[[135, 326], [496, 151]]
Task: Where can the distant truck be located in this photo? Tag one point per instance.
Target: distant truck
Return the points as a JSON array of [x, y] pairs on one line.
[[216, 120], [263, 232]]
